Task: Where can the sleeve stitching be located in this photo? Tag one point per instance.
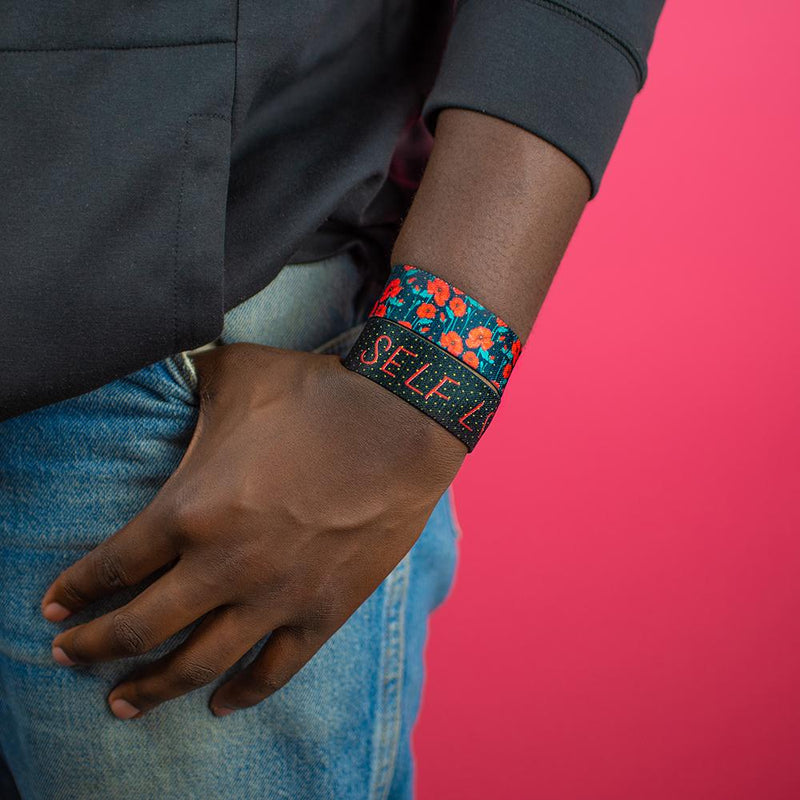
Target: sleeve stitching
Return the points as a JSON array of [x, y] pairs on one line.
[[601, 30]]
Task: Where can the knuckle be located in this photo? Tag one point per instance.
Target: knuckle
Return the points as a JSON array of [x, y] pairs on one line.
[[265, 683], [73, 592], [326, 609], [194, 673], [189, 519], [109, 571], [243, 506], [226, 566], [320, 619], [131, 635]]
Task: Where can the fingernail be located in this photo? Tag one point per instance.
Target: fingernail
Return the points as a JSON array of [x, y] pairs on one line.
[[122, 709], [223, 711], [61, 657], [55, 612]]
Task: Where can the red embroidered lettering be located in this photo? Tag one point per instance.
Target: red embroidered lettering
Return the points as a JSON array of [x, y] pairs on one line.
[[410, 378], [391, 360], [439, 385], [375, 344], [469, 414], [485, 423]]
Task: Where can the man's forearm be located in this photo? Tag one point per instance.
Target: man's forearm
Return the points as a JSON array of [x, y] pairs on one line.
[[494, 213]]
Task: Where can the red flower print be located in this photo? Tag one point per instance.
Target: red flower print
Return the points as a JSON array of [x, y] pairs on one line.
[[516, 349], [426, 311], [458, 306], [380, 311], [480, 337], [506, 370], [452, 342], [440, 291], [496, 384], [392, 289], [470, 358], [424, 330], [501, 323], [405, 323], [441, 317], [407, 267]]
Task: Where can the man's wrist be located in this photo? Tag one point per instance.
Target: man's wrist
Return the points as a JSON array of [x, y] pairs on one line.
[[401, 423], [425, 375], [437, 348]]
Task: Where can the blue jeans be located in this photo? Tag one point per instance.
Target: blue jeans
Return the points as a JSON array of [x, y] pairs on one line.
[[74, 472]]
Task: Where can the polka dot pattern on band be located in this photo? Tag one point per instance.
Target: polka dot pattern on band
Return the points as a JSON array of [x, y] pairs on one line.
[[451, 319], [426, 376]]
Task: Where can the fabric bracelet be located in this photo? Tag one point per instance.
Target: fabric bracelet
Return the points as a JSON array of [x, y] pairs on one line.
[[452, 319], [437, 348]]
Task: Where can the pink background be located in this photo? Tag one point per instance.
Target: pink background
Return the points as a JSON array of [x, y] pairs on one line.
[[624, 623]]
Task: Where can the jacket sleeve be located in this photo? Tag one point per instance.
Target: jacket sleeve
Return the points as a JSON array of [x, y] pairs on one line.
[[565, 71]]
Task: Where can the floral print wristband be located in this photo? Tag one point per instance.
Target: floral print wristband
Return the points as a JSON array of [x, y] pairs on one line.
[[450, 318], [438, 349]]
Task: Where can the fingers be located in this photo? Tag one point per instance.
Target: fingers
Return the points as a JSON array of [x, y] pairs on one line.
[[220, 640], [124, 559], [165, 607], [284, 654]]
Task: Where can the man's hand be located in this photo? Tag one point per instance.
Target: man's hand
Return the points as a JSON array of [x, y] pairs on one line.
[[305, 483], [303, 486]]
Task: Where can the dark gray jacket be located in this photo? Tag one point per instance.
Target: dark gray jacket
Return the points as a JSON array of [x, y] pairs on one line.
[[161, 160]]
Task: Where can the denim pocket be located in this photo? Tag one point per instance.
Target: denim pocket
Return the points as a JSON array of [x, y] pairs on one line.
[[180, 371]]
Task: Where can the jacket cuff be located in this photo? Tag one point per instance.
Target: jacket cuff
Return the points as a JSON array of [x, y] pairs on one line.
[[544, 67]]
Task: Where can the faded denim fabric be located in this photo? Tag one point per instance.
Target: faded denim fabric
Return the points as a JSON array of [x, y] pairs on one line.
[[74, 472]]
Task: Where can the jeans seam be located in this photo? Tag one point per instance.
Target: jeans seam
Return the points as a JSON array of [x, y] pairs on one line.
[[386, 736]]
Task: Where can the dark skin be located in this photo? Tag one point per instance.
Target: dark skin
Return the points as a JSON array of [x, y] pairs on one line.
[[299, 493]]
